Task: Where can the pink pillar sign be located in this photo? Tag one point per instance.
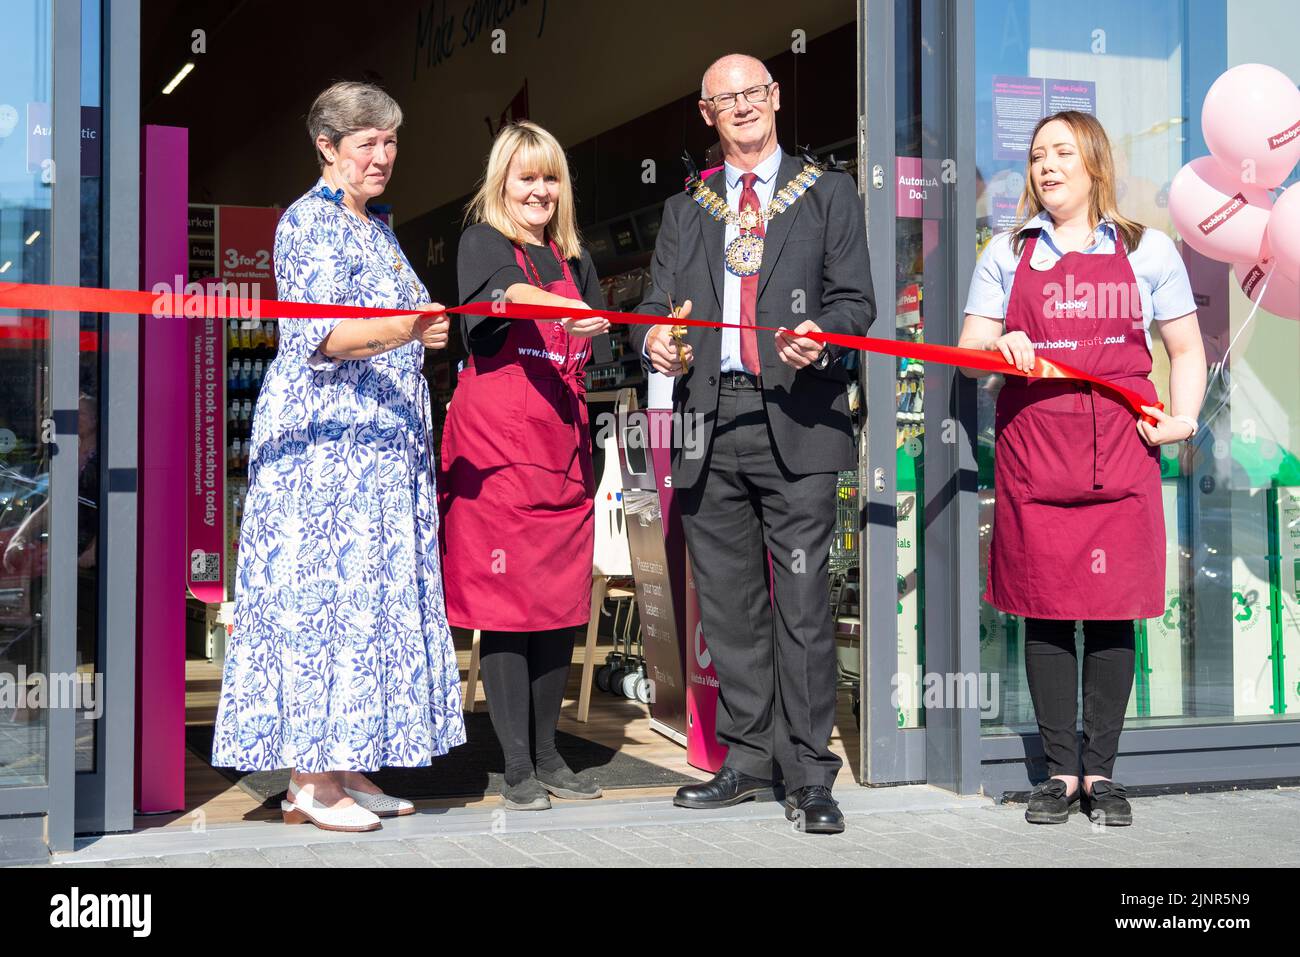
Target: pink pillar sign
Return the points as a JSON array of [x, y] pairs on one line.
[[205, 474], [164, 388], [702, 748]]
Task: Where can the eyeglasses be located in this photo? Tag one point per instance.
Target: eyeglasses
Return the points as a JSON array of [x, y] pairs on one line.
[[755, 94]]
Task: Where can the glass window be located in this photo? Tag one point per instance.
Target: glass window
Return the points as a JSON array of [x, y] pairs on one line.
[[1227, 647], [25, 197]]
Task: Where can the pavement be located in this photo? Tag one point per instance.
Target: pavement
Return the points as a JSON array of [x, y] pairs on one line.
[[916, 826]]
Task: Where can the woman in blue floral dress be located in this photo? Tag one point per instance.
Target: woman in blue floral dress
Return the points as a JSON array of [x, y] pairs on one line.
[[341, 659]]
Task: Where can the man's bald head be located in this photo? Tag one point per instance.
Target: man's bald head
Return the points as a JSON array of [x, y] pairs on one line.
[[735, 71]]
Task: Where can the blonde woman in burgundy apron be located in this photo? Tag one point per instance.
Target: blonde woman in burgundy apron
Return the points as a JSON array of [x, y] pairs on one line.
[[1078, 521], [516, 484]]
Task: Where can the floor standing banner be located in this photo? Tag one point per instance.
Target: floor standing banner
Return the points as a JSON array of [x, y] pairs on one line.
[[653, 568], [702, 748]]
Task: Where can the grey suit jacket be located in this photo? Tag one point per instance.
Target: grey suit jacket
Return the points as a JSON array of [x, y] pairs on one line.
[[815, 266]]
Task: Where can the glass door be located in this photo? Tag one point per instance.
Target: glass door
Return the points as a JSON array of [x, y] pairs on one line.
[[26, 200], [924, 690]]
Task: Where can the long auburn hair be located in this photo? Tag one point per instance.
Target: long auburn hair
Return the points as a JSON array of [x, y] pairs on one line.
[[1094, 148], [542, 154]]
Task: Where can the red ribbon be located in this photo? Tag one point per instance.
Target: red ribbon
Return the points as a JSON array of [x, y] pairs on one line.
[[216, 306]]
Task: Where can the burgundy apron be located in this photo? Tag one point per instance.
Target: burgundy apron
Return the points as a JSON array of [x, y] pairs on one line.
[[516, 487], [1078, 522]]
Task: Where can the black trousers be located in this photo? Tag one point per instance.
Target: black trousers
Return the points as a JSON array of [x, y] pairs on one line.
[[1052, 667], [524, 674], [776, 672]]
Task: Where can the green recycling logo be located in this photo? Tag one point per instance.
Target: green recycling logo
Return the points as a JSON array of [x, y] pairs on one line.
[[1246, 610], [1173, 617]]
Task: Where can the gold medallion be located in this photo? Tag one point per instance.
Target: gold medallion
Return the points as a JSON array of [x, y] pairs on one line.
[[745, 254]]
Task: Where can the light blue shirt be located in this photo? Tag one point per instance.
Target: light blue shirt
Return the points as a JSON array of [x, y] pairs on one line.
[[764, 187], [1163, 286]]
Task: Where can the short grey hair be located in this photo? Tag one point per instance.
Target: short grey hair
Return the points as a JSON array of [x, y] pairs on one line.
[[704, 92], [349, 106]]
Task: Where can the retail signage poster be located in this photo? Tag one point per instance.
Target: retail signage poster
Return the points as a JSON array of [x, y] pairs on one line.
[[1019, 102], [1003, 194], [654, 596], [660, 624], [205, 473], [40, 140], [245, 241]]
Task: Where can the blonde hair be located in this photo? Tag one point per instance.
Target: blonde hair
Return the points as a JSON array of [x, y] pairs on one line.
[[539, 152], [1094, 149]]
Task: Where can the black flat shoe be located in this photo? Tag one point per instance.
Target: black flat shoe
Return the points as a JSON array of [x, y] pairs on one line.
[[813, 810], [1108, 805], [563, 783], [1049, 805], [527, 795], [728, 787]]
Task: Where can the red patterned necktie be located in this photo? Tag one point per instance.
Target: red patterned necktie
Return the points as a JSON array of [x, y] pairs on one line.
[[749, 288]]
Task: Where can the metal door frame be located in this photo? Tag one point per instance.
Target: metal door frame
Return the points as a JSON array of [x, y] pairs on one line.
[[105, 797]]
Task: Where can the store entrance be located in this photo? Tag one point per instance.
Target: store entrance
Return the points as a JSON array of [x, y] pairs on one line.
[[219, 72]]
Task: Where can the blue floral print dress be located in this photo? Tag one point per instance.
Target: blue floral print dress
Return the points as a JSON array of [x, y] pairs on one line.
[[340, 657]]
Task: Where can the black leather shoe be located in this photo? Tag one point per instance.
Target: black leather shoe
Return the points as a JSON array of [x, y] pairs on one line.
[[813, 810], [1108, 805], [728, 787], [1049, 805]]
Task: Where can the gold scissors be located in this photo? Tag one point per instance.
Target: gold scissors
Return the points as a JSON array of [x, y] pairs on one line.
[[679, 336]]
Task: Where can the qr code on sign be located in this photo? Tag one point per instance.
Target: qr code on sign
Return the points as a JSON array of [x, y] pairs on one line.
[[205, 566]]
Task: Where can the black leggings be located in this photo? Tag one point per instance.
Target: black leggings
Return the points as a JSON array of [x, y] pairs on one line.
[[524, 675], [1052, 667]]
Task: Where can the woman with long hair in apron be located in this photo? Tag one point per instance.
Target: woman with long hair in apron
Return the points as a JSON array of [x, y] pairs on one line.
[[1078, 523], [516, 484]]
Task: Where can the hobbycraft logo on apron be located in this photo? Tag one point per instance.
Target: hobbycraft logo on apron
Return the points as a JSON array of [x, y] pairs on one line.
[[551, 356], [1090, 300]]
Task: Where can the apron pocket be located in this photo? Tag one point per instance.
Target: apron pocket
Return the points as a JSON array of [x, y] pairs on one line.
[[1128, 465], [1058, 455], [548, 467], [547, 403]]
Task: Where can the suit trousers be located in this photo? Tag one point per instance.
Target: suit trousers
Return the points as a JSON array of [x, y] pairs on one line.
[[776, 666]]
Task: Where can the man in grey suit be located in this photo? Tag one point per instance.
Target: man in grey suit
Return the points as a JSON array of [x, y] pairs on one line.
[[767, 241]]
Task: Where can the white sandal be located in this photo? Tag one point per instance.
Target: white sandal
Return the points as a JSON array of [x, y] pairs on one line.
[[354, 817], [381, 804]]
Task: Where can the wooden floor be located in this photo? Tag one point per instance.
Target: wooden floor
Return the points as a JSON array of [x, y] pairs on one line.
[[614, 722]]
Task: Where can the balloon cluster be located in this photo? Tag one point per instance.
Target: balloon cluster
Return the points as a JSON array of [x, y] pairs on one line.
[[1223, 204]]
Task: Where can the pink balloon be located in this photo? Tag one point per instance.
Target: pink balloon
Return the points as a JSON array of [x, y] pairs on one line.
[[1281, 295], [1283, 233], [1251, 115], [1217, 214]]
